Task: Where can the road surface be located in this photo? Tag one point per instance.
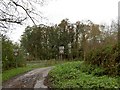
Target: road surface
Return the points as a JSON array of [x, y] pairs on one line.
[[32, 79]]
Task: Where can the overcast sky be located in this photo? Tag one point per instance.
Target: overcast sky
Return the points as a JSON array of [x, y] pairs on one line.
[[98, 11]]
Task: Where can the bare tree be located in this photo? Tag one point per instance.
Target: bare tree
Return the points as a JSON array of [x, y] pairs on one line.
[[18, 11]]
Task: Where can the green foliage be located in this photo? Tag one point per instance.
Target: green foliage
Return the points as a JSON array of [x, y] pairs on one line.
[[106, 57], [8, 59], [99, 72], [42, 42], [7, 53], [80, 75]]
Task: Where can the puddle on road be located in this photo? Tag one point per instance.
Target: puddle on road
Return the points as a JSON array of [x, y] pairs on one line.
[[39, 84]]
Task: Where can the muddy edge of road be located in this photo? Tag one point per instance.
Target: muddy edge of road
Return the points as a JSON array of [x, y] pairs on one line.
[[31, 79]]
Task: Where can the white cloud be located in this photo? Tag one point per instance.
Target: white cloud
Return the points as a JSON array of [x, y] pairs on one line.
[[96, 10]]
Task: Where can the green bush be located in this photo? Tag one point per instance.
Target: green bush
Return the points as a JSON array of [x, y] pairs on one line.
[[105, 57], [8, 59]]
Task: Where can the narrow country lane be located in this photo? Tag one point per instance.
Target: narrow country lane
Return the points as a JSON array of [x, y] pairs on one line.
[[33, 79]]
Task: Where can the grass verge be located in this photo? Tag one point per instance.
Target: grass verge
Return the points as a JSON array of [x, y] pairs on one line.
[[80, 75], [6, 75]]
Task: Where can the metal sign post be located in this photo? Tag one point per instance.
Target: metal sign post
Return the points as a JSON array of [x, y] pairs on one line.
[[61, 51], [16, 54], [69, 50]]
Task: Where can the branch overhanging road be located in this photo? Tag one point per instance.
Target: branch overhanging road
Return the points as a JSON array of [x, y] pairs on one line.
[[32, 79]]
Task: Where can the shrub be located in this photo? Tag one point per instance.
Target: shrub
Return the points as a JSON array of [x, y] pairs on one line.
[[8, 59], [106, 57]]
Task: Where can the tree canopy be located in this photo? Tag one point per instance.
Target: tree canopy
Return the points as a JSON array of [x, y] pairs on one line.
[[43, 41]]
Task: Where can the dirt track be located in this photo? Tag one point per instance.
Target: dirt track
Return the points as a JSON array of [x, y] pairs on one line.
[[32, 79]]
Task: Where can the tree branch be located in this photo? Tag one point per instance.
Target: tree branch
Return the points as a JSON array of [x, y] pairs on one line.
[[9, 20], [25, 11], [12, 21]]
